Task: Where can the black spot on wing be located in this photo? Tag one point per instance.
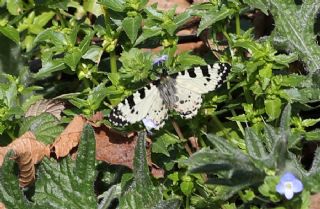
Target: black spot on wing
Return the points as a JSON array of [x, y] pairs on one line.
[[130, 101], [191, 72], [223, 71], [205, 71], [142, 93], [116, 118]]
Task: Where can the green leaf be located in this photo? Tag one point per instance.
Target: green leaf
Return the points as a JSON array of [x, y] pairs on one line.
[[163, 142], [148, 33], [131, 26], [10, 32], [51, 36], [94, 54], [93, 7], [187, 60], [69, 180], [254, 145], [48, 68], [259, 4], [186, 187], [72, 58], [45, 127], [273, 108], [115, 5], [212, 16], [11, 195], [15, 7], [96, 96], [296, 33]]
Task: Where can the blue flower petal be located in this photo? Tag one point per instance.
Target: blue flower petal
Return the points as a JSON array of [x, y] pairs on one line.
[[297, 186]]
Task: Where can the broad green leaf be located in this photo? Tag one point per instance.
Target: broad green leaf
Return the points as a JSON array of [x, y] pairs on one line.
[[45, 127], [131, 26], [273, 108], [10, 193], [85, 43], [10, 32], [94, 54], [15, 7], [40, 21], [68, 183], [297, 32], [48, 68], [187, 60], [186, 187], [116, 5], [96, 96], [72, 58]]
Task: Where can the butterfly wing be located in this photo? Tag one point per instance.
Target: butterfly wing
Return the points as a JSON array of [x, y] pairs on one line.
[[145, 102], [203, 79], [190, 84]]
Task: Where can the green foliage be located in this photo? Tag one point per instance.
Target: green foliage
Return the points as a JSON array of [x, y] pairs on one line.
[[90, 54]]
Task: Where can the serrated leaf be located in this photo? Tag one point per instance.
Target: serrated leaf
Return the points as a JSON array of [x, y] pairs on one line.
[[45, 127], [296, 33], [69, 180], [131, 26], [11, 195], [10, 32], [116, 5]]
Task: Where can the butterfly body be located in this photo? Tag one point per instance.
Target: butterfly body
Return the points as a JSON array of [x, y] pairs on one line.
[[180, 92]]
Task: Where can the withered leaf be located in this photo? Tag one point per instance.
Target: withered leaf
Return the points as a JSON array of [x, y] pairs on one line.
[[115, 148], [28, 152], [54, 107], [69, 138], [2, 206]]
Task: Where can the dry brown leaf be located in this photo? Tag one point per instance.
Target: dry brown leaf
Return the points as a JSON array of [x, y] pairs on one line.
[[199, 45], [28, 152], [194, 142], [54, 107], [96, 119], [3, 152], [156, 171], [2, 206], [69, 138], [115, 148]]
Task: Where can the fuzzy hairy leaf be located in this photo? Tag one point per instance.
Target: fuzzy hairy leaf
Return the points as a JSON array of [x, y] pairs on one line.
[[10, 193], [45, 127], [294, 29], [68, 183]]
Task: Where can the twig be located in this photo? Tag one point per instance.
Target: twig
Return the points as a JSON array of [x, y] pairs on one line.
[[178, 131]]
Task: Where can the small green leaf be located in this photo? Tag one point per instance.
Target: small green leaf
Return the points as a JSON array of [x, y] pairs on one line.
[[212, 16], [93, 7], [72, 58], [131, 26], [163, 142], [15, 7], [51, 36], [148, 33], [48, 68], [273, 108], [94, 54], [115, 5], [10, 32], [187, 187]]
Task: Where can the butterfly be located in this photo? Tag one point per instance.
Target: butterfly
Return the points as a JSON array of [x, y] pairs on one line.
[[180, 92]]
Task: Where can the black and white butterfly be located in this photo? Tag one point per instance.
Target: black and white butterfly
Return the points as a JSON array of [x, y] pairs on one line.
[[180, 92]]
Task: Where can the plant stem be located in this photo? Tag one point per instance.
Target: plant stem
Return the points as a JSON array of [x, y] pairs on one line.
[[178, 131], [238, 28], [220, 125], [187, 202], [113, 56]]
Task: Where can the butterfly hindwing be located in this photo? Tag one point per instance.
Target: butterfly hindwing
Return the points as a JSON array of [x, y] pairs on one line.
[[145, 102]]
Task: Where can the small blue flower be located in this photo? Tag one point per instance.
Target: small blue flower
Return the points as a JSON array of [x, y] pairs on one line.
[[160, 60], [289, 185], [149, 124]]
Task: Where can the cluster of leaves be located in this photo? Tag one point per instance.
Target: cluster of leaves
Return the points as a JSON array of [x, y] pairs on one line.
[[94, 61]]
